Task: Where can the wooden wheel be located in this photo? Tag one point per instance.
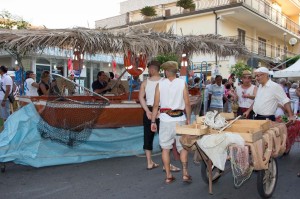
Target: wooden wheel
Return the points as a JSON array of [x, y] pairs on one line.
[[267, 179]]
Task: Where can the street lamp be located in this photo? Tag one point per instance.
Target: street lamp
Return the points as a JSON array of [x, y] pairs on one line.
[[284, 49]]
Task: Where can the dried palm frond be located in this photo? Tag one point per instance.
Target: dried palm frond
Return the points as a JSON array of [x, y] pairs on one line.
[[94, 41]]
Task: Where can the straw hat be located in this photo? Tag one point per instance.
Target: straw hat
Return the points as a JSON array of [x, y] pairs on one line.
[[170, 65], [247, 73]]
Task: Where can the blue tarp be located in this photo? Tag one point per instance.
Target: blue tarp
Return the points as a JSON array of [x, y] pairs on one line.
[[21, 143]]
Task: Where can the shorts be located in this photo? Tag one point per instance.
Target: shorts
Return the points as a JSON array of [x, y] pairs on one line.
[[167, 135], [5, 111]]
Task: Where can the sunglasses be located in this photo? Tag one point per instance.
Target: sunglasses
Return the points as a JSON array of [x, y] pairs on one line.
[[71, 75]]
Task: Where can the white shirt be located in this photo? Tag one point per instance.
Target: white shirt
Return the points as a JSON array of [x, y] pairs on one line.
[[150, 91], [171, 96], [268, 97], [5, 80], [293, 95], [245, 102], [29, 89]]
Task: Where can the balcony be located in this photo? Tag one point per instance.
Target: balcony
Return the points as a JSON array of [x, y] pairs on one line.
[[265, 50], [262, 8]]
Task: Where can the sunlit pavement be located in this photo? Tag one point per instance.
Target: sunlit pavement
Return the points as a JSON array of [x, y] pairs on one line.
[[128, 178]]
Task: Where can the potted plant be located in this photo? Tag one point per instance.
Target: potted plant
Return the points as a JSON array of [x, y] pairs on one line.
[[187, 5], [148, 12]]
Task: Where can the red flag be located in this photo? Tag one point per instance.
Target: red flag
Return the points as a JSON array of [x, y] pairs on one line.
[[70, 64], [114, 66]]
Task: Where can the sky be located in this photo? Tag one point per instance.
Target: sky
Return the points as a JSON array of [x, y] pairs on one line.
[[62, 13]]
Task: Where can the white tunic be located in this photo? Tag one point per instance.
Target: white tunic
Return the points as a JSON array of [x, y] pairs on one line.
[[171, 96], [268, 97], [150, 91], [245, 102]]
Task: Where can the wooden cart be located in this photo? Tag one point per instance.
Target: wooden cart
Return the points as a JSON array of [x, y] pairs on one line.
[[266, 141]]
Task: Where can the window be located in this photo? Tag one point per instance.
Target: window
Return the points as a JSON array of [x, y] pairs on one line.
[[262, 46], [242, 36], [167, 12], [278, 51]]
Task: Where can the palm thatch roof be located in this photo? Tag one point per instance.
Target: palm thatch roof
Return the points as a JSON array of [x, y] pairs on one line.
[[94, 41]]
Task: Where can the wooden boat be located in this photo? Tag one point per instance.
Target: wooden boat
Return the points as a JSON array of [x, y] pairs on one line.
[[120, 112]]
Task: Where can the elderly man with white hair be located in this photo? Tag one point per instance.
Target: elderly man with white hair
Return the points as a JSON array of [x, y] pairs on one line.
[[269, 95]]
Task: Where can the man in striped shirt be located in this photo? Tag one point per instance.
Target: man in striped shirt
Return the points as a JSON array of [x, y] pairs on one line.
[[216, 93]]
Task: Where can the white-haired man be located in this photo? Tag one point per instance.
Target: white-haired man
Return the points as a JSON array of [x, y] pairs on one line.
[[269, 95]]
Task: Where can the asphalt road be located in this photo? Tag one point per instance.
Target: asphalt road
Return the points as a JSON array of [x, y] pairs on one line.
[[122, 178]]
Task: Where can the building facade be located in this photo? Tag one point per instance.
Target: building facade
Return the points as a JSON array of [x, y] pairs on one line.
[[268, 28]]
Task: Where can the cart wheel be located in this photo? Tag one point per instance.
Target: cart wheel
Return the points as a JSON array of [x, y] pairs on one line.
[[204, 173], [3, 168], [267, 179]]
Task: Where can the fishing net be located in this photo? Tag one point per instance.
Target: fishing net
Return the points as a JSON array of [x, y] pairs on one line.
[[240, 164], [68, 119]]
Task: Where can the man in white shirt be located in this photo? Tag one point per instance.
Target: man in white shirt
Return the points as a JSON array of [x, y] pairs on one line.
[[6, 88], [30, 86], [172, 95], [269, 95]]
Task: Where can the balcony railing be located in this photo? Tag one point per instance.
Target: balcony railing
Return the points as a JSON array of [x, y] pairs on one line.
[[265, 49], [266, 10], [261, 7]]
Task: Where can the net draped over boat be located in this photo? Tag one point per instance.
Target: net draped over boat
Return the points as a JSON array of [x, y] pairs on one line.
[[66, 120]]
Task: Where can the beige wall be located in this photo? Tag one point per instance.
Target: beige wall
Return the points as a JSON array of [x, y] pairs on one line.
[[6, 61]]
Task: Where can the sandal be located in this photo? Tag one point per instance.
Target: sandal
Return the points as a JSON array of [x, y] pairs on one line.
[[187, 179], [170, 180], [172, 168], [154, 165]]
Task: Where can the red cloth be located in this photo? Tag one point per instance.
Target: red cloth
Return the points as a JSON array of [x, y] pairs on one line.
[[70, 64]]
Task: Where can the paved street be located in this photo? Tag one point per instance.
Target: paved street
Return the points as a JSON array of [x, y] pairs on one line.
[[122, 178]]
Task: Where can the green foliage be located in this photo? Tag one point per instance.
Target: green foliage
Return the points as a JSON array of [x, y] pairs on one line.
[[148, 11], [9, 21], [238, 69], [284, 118], [162, 58], [292, 61], [186, 4]]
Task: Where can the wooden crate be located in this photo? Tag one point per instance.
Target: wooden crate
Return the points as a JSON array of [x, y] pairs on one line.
[[248, 134], [228, 116], [192, 129], [250, 130], [262, 125], [200, 119]]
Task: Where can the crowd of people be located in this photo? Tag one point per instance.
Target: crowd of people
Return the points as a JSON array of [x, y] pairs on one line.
[[165, 101]]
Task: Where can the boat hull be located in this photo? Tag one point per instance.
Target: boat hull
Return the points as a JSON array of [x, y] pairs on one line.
[[119, 113]]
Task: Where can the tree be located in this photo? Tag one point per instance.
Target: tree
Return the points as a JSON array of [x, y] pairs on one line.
[[9, 21], [292, 60], [148, 11], [162, 58], [186, 4], [238, 69]]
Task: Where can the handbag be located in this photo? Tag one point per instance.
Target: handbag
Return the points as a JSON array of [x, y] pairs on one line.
[[10, 97]]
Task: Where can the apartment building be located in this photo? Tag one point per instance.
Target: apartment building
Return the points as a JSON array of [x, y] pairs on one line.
[[268, 28]]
